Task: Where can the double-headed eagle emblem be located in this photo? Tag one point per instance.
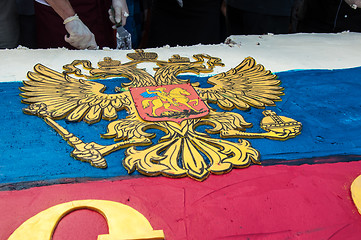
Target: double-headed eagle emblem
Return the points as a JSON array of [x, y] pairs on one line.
[[166, 102]]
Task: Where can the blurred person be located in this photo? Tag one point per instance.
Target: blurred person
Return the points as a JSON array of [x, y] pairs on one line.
[[78, 24], [247, 17], [330, 16], [184, 22], [9, 25]]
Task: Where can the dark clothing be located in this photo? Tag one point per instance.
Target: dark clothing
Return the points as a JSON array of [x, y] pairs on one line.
[[240, 22], [329, 16], [9, 25], [27, 24], [198, 21], [258, 17], [93, 13], [267, 7], [135, 22], [25, 7], [27, 31]]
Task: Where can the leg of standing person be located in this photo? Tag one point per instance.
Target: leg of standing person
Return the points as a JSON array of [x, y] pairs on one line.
[[240, 22], [234, 21], [9, 25], [197, 21], [26, 13], [250, 17]]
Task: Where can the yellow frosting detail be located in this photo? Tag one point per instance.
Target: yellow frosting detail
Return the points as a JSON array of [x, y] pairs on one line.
[[123, 221], [356, 192]]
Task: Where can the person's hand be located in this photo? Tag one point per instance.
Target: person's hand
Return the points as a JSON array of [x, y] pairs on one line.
[[354, 3], [119, 12], [80, 36]]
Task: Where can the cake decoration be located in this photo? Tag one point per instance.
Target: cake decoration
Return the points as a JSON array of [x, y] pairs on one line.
[[165, 102], [168, 103], [301, 190], [356, 192], [123, 221]]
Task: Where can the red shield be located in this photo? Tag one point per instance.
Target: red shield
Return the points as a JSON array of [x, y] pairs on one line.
[[168, 103]]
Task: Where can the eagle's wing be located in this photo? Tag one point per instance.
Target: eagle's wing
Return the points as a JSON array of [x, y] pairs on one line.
[[246, 85], [71, 98]]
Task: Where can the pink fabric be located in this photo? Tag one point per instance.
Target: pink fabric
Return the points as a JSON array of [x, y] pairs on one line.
[[273, 202]]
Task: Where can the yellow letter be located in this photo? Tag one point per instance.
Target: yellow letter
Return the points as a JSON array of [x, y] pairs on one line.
[[123, 221]]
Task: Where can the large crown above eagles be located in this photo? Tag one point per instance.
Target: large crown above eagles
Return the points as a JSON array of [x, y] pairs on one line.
[[140, 55], [109, 62]]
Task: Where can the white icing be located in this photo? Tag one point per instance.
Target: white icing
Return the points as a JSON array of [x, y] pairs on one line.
[[275, 52]]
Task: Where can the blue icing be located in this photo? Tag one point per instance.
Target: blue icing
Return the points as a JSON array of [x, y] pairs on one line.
[[326, 102]]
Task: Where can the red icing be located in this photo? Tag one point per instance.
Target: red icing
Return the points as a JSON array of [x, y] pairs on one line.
[[274, 202], [181, 102]]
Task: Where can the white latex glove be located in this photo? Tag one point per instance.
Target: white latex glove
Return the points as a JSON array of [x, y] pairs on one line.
[[354, 3], [80, 35], [119, 13]]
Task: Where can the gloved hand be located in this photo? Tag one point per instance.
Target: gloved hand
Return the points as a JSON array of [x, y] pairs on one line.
[[119, 12], [80, 35]]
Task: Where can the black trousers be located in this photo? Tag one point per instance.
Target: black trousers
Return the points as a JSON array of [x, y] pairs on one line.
[[198, 21], [240, 22], [329, 16]]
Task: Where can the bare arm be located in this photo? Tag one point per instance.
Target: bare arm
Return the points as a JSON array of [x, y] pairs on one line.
[[62, 8], [79, 34]]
